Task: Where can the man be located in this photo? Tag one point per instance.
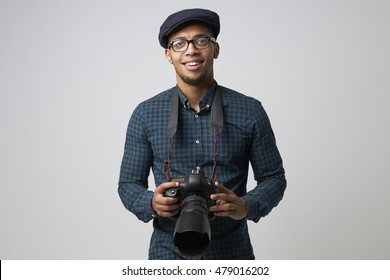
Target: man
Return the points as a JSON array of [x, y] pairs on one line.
[[189, 39]]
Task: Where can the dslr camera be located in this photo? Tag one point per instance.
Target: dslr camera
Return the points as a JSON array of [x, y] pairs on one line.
[[192, 234]]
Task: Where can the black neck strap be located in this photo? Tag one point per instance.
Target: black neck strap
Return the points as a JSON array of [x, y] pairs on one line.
[[216, 127]]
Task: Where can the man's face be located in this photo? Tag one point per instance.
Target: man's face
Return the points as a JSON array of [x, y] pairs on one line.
[[193, 66]]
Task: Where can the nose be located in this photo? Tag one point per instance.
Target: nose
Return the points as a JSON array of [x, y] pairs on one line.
[[191, 48]]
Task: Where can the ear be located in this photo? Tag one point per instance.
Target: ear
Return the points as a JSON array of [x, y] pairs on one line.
[[168, 55], [216, 50]]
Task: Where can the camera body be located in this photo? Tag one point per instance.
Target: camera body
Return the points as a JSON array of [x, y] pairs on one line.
[[195, 183], [192, 234]]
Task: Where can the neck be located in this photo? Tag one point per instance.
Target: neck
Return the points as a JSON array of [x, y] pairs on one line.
[[194, 93]]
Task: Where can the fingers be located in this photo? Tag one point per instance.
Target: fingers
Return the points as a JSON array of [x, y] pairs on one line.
[[228, 204], [164, 186], [165, 206], [223, 208], [236, 210], [222, 188], [224, 195], [164, 210]]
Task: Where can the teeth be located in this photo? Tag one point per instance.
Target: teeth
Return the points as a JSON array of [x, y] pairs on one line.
[[193, 63]]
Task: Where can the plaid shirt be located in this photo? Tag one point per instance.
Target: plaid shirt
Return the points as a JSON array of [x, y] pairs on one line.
[[247, 137]]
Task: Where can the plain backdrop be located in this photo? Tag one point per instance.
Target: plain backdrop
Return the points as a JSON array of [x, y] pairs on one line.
[[71, 73]]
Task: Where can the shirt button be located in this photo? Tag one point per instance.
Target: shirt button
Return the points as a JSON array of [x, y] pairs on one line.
[[207, 106], [196, 116], [197, 141]]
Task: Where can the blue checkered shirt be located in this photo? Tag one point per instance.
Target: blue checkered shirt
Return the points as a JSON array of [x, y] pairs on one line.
[[247, 137]]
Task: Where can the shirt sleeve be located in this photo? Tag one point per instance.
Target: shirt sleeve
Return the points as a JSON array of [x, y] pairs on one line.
[[135, 169], [267, 168]]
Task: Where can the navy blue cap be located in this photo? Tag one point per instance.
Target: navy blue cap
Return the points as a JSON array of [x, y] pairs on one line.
[[179, 18]]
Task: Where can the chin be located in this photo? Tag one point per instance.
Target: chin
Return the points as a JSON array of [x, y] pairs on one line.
[[194, 81]]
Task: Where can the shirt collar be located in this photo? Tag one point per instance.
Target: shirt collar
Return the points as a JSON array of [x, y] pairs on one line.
[[205, 102]]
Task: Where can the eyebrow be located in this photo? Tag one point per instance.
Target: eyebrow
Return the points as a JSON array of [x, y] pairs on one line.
[[196, 36]]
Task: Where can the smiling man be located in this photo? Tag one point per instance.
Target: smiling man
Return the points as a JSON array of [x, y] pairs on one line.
[[199, 128]]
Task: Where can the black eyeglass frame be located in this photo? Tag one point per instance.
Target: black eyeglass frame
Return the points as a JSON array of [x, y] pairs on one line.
[[209, 39]]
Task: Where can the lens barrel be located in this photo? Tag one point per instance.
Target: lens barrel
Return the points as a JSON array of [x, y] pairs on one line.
[[192, 233]]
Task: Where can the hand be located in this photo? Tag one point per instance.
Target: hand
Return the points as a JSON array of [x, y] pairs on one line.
[[165, 206], [228, 204]]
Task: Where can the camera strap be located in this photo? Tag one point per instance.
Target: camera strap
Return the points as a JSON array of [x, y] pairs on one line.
[[216, 127]]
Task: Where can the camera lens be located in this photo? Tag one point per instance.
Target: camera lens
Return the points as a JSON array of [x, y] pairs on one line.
[[192, 230]]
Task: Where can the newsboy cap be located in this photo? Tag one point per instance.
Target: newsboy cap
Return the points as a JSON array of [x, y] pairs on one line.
[[179, 18]]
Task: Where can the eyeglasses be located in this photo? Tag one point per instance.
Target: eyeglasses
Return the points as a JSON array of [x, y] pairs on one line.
[[181, 45]]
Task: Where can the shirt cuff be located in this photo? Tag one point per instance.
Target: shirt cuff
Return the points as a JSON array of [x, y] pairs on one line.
[[148, 210], [254, 207]]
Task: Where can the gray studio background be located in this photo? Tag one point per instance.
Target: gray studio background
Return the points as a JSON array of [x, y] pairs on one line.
[[71, 73]]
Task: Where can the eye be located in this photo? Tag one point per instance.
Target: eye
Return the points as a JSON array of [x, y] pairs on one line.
[[179, 44], [202, 41]]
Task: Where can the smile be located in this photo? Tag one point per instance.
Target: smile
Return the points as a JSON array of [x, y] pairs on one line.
[[192, 63]]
